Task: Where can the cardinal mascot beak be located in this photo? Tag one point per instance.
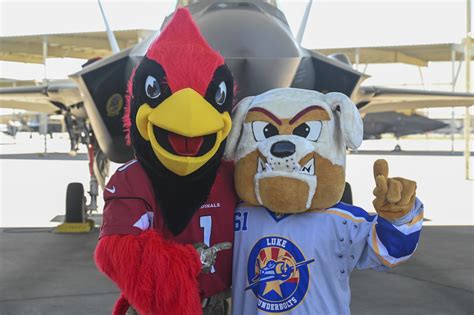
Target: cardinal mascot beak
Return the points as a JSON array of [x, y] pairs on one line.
[[195, 136]]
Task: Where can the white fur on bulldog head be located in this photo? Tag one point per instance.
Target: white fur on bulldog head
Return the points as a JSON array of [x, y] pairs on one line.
[[292, 136]]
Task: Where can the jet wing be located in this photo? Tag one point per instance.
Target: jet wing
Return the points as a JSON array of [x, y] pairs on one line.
[[103, 85], [373, 99], [333, 75], [51, 97], [418, 55]]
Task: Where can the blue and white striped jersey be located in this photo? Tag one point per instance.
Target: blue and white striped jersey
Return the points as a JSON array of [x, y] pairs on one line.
[[301, 263]]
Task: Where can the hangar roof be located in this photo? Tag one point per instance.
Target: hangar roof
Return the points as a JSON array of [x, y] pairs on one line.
[[418, 55], [29, 48]]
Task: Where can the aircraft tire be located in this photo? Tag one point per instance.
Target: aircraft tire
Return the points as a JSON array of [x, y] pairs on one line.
[[75, 203]]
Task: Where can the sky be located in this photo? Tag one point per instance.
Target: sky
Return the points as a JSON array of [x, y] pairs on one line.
[[332, 23]]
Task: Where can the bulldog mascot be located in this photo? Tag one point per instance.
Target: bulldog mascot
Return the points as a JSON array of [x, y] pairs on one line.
[[295, 243], [168, 212]]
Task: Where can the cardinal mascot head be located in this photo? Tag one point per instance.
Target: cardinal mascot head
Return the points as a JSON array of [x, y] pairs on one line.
[[179, 98]]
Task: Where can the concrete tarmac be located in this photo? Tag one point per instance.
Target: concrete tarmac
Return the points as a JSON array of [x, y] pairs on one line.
[[46, 273]]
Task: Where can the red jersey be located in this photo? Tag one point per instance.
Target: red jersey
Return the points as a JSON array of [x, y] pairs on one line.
[[130, 208]]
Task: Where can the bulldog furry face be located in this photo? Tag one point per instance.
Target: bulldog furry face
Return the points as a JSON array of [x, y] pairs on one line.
[[289, 146]]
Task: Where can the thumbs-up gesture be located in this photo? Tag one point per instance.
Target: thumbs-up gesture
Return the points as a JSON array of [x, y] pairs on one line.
[[394, 197]]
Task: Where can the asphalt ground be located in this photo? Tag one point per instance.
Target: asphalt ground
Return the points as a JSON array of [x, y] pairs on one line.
[[46, 273]]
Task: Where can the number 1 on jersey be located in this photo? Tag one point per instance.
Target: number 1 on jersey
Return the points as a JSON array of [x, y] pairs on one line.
[[205, 223]]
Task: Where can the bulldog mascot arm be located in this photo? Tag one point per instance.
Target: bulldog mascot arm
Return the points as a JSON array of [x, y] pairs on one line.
[[168, 212], [295, 243]]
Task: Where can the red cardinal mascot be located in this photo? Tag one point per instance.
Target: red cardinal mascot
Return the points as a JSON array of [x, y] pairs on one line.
[[170, 210]]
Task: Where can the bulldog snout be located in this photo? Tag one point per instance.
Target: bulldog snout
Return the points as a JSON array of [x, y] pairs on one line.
[[282, 149]]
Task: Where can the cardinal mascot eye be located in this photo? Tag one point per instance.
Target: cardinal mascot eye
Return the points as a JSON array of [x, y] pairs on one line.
[[310, 130], [152, 87], [221, 93]]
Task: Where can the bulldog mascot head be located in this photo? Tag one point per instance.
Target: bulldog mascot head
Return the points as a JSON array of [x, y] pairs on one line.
[[290, 146]]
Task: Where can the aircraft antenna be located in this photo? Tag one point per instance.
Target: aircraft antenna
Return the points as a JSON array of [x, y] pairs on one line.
[[110, 35], [304, 22]]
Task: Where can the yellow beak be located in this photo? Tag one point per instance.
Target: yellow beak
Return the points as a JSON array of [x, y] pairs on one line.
[[187, 114]]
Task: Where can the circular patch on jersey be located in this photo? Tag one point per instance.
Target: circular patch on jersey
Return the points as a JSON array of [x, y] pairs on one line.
[[278, 274], [114, 105]]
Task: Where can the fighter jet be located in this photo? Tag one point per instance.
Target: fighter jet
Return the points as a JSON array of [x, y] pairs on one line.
[[259, 48], [398, 124]]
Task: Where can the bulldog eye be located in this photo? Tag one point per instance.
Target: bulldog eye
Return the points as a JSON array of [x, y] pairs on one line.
[[263, 130], [152, 87], [221, 93], [309, 130]]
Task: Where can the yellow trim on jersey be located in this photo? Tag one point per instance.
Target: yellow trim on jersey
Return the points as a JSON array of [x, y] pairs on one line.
[[416, 219]]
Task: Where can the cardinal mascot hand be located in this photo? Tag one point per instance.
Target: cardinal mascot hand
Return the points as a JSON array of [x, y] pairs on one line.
[[168, 212], [295, 243]]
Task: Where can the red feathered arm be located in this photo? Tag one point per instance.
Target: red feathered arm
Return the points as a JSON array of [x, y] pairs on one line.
[[155, 275]]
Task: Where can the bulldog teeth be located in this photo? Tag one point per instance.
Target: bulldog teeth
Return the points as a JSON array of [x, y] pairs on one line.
[[308, 168], [260, 166], [263, 167]]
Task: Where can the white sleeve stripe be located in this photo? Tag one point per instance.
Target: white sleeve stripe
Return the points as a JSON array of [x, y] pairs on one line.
[[408, 229], [124, 167], [143, 223]]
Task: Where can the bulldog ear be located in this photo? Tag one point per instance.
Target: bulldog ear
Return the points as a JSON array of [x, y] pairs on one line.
[[238, 117], [352, 127]]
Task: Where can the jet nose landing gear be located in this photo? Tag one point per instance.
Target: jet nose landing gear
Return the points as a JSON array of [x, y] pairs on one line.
[[78, 212], [75, 220]]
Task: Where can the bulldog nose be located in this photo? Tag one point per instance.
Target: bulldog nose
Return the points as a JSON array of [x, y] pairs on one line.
[[282, 149]]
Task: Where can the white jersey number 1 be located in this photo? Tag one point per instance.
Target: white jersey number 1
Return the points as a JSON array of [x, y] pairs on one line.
[[206, 224]]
